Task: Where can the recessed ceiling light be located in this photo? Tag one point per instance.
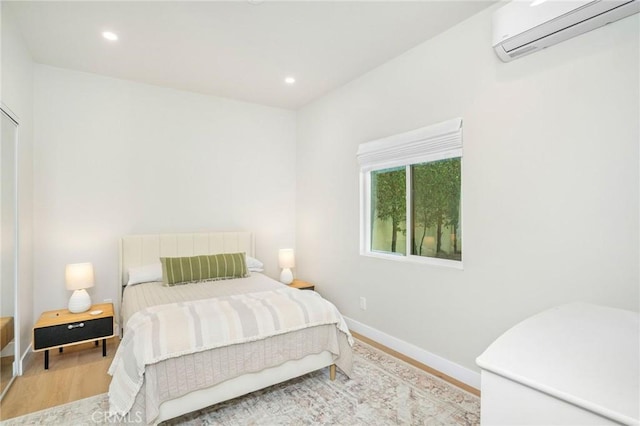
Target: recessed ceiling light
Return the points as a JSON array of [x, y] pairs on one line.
[[110, 36], [289, 80]]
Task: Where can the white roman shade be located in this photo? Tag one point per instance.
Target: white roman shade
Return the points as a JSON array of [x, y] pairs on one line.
[[430, 143]]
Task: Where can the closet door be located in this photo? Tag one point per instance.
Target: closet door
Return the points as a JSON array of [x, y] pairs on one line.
[[9, 246]]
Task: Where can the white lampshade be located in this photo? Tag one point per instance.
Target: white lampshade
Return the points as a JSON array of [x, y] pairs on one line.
[[286, 258], [78, 276]]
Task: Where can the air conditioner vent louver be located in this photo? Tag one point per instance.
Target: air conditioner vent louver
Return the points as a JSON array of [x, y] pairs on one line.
[[522, 51], [551, 22]]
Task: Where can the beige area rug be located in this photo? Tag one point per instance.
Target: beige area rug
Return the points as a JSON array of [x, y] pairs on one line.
[[382, 391]]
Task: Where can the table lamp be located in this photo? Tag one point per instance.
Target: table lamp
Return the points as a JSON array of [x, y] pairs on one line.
[[286, 260], [78, 277]]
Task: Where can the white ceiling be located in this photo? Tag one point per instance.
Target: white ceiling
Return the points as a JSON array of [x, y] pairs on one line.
[[236, 49]]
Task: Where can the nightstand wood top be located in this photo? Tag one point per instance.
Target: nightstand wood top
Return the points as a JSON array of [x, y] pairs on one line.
[[63, 316], [302, 285]]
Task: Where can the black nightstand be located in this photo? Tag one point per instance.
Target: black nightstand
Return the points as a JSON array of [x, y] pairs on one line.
[[57, 329]]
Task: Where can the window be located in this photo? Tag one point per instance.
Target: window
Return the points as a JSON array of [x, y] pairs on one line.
[[411, 187]]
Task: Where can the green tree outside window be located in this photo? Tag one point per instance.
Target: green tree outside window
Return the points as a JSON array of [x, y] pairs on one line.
[[435, 195], [389, 209], [435, 209]]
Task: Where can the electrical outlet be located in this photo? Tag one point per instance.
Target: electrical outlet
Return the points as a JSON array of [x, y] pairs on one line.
[[363, 303]]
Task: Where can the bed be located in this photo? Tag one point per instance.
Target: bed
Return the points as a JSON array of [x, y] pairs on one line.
[[181, 384]]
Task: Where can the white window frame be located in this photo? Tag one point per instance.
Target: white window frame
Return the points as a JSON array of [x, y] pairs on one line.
[[427, 144]]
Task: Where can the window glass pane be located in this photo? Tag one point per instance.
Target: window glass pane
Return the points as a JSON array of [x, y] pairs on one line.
[[435, 209], [388, 210]]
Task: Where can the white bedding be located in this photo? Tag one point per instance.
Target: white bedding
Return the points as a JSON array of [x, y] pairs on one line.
[[163, 382], [144, 295], [167, 331]]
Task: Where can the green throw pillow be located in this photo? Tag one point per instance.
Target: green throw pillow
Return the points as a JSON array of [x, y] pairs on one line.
[[182, 270]]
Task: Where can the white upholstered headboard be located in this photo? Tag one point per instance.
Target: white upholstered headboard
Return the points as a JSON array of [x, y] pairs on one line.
[[138, 250]]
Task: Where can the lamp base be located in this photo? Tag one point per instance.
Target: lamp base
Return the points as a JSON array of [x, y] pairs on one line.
[[286, 276], [80, 301]]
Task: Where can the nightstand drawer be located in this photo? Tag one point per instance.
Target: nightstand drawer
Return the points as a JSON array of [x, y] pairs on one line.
[[57, 335]]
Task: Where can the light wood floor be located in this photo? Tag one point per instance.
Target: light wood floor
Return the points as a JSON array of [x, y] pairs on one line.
[[79, 372]]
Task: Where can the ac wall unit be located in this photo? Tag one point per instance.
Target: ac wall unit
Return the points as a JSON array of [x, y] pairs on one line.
[[522, 27]]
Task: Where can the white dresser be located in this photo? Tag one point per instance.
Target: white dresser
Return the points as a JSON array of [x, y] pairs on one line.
[[576, 364]]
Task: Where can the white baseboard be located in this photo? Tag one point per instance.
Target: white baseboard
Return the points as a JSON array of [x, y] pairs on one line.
[[434, 361], [23, 358]]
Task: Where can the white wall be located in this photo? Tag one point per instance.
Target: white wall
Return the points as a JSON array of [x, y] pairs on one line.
[[17, 94], [114, 157], [550, 185]]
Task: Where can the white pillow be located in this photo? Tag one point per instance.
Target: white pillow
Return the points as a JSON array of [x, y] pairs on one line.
[[254, 265], [145, 274]]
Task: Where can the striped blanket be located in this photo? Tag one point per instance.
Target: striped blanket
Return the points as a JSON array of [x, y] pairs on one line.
[[166, 331]]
